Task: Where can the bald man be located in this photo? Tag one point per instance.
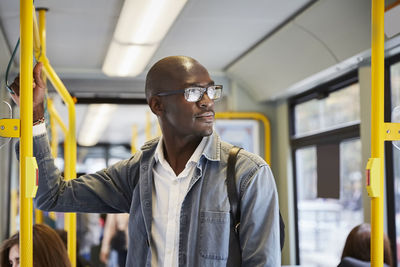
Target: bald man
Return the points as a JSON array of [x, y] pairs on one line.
[[174, 187]]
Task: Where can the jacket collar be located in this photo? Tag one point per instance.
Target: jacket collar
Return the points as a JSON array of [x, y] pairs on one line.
[[212, 150]]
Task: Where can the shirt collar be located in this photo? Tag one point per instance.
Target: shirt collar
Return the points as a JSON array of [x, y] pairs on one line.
[[159, 153]]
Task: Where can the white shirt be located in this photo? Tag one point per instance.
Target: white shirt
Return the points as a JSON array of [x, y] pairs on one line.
[[39, 129], [168, 194]]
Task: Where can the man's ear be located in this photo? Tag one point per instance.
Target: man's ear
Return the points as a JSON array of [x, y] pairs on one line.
[[156, 105]]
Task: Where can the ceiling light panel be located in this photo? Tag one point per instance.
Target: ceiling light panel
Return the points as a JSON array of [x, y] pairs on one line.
[[146, 22], [127, 60]]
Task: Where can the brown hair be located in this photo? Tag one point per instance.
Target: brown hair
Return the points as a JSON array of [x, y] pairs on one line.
[[48, 248], [358, 244], [5, 250]]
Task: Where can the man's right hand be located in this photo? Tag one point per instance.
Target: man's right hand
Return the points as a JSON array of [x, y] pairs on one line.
[[39, 89]]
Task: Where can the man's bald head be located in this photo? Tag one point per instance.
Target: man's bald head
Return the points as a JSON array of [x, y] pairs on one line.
[[168, 72]]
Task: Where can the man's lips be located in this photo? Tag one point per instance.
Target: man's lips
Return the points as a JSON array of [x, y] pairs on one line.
[[206, 115]]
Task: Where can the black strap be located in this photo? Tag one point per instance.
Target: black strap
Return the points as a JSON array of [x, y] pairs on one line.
[[231, 187], [234, 201], [235, 253]]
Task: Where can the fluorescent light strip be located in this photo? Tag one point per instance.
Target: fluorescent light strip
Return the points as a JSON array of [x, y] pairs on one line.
[[127, 60], [140, 29], [95, 122], [146, 22]]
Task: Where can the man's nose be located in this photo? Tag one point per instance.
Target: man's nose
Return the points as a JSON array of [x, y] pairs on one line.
[[205, 101]]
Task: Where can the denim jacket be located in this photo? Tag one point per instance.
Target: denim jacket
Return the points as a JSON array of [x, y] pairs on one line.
[[205, 219]]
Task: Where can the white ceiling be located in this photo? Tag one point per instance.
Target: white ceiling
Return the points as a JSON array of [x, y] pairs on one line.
[[213, 32], [265, 46]]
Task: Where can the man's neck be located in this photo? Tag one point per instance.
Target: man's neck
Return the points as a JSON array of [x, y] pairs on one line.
[[177, 151]]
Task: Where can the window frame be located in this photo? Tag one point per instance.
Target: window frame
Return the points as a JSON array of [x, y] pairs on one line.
[[389, 164], [338, 135]]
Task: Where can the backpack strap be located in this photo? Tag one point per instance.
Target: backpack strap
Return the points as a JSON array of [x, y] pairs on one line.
[[234, 200], [231, 188], [235, 253]]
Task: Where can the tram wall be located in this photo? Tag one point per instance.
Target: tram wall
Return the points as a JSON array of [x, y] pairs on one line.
[[5, 150], [240, 99]]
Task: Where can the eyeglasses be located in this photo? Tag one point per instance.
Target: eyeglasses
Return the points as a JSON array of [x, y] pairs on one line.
[[194, 94]]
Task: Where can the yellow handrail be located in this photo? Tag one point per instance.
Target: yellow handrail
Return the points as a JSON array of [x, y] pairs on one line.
[[134, 139], [70, 154], [254, 116], [377, 128], [26, 144], [56, 117], [38, 49], [70, 140]]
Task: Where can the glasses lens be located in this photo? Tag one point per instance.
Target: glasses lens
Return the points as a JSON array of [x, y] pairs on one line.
[[214, 92], [193, 94]]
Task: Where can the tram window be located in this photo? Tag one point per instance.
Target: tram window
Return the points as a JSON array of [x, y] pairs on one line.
[[395, 84], [117, 153], [395, 97], [326, 116], [325, 222], [317, 115]]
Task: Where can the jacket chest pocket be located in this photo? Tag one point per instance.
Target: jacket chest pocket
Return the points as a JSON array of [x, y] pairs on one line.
[[214, 235]]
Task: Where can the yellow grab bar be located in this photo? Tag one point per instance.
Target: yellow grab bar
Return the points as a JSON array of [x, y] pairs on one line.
[[70, 153], [39, 50], [377, 128], [134, 139], [36, 36], [26, 144], [70, 139], [254, 116]]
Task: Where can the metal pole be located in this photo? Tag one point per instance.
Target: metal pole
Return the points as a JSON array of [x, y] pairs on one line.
[[377, 128], [26, 144]]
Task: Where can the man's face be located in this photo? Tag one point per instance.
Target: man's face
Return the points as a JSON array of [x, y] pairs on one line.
[[183, 118]]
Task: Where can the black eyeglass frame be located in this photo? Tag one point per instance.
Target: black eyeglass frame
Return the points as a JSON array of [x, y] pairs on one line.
[[202, 89]]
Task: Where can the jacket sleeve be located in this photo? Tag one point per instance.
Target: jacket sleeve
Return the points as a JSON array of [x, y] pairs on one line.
[[106, 191], [259, 222]]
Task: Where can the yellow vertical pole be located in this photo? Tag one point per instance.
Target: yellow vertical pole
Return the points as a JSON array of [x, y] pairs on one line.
[[42, 36], [38, 216], [26, 145], [69, 155], [54, 134], [70, 140], [134, 138], [148, 126], [54, 117], [377, 127], [14, 211], [42, 53]]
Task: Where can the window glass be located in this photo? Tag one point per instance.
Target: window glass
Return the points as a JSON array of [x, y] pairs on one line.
[[395, 84], [325, 223], [339, 108], [395, 89], [118, 153]]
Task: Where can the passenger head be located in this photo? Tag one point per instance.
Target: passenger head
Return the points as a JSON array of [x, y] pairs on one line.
[[9, 252], [176, 115], [48, 249], [358, 245]]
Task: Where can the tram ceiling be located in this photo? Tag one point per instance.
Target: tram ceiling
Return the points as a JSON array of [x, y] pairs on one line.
[[266, 46], [213, 32]]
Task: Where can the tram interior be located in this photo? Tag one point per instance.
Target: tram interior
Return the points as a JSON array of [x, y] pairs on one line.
[[305, 65]]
